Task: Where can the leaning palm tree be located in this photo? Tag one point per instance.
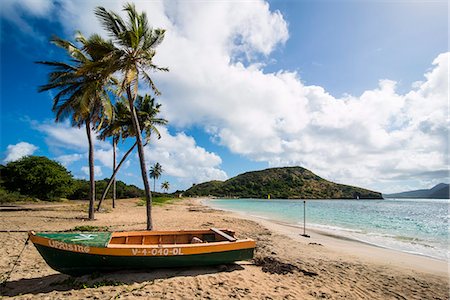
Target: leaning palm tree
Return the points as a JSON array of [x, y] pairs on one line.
[[132, 57], [81, 87], [121, 128], [155, 172], [165, 186]]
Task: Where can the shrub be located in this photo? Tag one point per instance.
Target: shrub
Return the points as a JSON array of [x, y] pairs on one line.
[[37, 176]]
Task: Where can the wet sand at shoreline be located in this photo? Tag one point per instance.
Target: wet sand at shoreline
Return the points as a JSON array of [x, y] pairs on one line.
[[286, 266]]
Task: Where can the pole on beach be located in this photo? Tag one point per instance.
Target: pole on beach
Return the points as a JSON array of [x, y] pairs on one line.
[[304, 220]]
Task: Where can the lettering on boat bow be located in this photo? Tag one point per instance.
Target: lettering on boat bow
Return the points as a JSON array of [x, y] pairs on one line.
[[68, 247]]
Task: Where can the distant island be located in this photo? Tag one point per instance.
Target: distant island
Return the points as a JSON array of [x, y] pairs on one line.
[[280, 183], [439, 191]]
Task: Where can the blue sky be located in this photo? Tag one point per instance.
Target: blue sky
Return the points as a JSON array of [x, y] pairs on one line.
[[356, 91]]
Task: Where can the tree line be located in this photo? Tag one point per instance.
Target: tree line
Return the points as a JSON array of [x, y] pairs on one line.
[[98, 88], [37, 177]]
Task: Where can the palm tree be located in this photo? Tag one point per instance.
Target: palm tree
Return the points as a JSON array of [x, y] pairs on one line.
[[155, 172], [165, 186], [121, 128], [81, 87], [132, 57]]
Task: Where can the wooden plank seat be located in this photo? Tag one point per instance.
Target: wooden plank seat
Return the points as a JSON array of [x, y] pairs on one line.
[[223, 234]]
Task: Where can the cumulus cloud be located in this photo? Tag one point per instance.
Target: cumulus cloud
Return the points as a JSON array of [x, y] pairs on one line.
[[19, 150], [68, 159], [182, 158], [97, 171], [63, 135], [15, 11], [105, 157], [217, 82]]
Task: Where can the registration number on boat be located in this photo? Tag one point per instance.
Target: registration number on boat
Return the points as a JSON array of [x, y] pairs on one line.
[[157, 252]]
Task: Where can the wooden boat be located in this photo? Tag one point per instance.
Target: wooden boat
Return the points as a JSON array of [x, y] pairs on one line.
[[78, 253]]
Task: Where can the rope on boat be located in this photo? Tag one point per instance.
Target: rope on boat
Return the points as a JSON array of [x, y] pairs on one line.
[[15, 263]]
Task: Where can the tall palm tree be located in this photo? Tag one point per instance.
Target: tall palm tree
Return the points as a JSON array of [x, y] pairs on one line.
[[81, 87], [165, 186], [155, 172], [135, 44], [121, 128]]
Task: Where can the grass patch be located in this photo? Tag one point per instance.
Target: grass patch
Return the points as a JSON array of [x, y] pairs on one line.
[[159, 200], [12, 197], [75, 284], [89, 228]]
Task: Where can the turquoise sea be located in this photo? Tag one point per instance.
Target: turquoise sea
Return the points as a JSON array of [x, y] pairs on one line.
[[419, 226]]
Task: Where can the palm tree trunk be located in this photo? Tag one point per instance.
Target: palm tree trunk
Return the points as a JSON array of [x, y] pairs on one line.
[[148, 193], [113, 176], [154, 184], [91, 171], [114, 168]]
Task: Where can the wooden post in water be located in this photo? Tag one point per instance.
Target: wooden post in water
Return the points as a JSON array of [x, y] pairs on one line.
[[304, 220]]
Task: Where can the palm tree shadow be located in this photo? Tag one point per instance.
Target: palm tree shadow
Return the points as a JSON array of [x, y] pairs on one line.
[[60, 282]]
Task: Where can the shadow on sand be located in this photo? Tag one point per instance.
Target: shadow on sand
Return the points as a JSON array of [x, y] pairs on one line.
[[62, 283]]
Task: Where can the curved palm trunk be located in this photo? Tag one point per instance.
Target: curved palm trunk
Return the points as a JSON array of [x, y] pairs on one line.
[[91, 171], [148, 193], [113, 176]]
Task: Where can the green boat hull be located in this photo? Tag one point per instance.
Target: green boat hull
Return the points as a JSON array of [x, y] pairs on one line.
[[76, 264]]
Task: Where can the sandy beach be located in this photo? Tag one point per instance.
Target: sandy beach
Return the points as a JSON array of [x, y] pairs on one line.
[[286, 265]]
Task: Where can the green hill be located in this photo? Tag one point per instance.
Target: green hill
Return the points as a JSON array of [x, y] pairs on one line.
[[280, 183]]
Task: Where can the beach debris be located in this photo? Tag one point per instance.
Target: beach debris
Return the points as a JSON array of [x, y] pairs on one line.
[[315, 244], [274, 266]]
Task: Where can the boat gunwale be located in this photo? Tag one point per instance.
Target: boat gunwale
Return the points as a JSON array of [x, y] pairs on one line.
[[164, 232]]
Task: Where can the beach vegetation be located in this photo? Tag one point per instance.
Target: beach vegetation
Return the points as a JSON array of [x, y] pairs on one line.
[[155, 172], [36, 177], [123, 190], [158, 200], [89, 228], [10, 197], [165, 186]]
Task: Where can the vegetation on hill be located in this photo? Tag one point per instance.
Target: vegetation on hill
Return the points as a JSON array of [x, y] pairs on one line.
[[280, 183]]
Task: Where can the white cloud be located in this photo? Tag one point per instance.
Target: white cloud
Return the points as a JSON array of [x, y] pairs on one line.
[[105, 157], [15, 11], [97, 171], [19, 150], [68, 159], [62, 135], [217, 81], [182, 158]]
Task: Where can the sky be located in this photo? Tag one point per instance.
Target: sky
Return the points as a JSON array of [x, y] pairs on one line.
[[355, 91]]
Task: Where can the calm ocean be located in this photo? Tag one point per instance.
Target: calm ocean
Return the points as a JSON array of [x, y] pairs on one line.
[[417, 226]]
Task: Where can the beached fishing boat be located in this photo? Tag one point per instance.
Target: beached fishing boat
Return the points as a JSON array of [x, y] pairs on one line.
[[78, 253]]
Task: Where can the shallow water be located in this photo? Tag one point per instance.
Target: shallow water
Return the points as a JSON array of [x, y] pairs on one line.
[[417, 226]]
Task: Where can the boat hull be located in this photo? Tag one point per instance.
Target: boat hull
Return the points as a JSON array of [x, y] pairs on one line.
[[76, 264], [85, 253]]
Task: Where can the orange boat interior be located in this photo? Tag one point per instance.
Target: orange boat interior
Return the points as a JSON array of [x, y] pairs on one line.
[[171, 238]]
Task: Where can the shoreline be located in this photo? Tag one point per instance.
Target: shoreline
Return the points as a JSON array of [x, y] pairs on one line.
[[358, 249], [285, 265]]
